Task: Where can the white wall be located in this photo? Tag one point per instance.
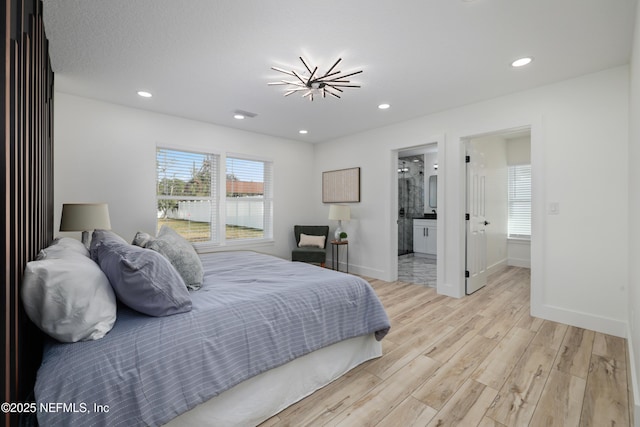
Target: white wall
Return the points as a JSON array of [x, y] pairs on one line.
[[519, 151], [634, 214], [106, 153], [578, 126]]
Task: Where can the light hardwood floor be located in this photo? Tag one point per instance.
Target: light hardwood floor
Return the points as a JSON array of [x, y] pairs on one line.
[[476, 361]]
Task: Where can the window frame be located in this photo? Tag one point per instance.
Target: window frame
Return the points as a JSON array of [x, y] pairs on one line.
[[268, 190], [218, 196]]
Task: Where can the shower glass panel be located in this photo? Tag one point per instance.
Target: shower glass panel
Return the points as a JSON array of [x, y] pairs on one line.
[[410, 199]]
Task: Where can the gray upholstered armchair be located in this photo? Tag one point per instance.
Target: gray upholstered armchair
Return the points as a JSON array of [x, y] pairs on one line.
[[312, 254]]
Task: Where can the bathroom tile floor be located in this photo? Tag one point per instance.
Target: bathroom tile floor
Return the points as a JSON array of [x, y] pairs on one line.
[[417, 269]]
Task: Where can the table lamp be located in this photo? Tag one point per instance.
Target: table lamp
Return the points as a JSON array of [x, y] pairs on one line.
[[84, 217], [339, 213]]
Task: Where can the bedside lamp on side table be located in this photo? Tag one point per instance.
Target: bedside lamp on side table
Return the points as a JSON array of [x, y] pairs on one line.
[[84, 217]]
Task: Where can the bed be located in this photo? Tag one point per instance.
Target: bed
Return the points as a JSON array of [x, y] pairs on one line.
[[262, 333]]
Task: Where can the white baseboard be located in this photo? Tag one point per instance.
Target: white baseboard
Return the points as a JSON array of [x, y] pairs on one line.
[[519, 262], [497, 266], [363, 271], [601, 324]]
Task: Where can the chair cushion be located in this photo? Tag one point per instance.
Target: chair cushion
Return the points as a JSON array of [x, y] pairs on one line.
[[311, 241], [309, 254]]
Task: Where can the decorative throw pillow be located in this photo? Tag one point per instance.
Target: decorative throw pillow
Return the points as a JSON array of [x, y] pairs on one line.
[[70, 299], [142, 239], [181, 254], [315, 241], [100, 237], [143, 279]]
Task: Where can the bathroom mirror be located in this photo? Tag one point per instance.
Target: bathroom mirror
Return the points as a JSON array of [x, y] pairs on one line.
[[433, 191]]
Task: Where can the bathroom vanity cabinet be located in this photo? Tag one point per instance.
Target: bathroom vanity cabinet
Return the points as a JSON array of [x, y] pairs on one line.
[[425, 236]]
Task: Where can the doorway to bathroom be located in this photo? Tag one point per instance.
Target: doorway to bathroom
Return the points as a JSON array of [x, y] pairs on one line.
[[417, 215]]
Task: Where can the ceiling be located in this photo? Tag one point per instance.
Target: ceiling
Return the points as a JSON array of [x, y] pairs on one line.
[[204, 59]]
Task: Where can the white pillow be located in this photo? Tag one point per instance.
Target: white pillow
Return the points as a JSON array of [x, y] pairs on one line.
[[57, 251], [71, 244], [307, 240], [70, 298]]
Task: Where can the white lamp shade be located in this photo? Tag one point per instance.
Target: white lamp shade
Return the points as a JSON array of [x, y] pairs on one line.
[[339, 213], [84, 217]]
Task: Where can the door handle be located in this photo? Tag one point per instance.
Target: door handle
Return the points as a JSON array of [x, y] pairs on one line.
[[427, 232], [487, 223]]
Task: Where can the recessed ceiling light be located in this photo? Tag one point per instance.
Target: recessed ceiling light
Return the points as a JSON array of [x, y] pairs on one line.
[[384, 106], [144, 94], [238, 116], [303, 132], [522, 62]]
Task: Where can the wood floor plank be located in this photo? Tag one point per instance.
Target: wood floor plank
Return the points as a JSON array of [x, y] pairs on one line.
[[445, 348], [450, 376], [377, 403], [466, 407], [560, 404], [497, 329], [327, 402], [610, 347], [529, 322], [488, 422], [410, 412], [575, 352], [407, 351], [606, 398], [497, 367], [519, 396], [551, 335]]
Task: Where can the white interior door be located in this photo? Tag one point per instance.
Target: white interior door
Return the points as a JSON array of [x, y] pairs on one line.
[[476, 270]]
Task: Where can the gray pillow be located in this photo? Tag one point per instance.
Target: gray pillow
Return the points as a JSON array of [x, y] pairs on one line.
[[100, 237], [142, 239], [143, 279], [181, 254]]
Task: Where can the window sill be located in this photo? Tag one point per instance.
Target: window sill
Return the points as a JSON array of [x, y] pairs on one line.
[[203, 248], [519, 240]]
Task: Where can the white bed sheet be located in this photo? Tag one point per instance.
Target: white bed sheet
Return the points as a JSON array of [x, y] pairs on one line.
[[259, 398]]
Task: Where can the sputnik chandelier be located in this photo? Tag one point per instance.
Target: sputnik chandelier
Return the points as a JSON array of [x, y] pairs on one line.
[[332, 82]]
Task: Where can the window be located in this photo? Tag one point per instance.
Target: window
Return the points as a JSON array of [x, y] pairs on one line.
[[249, 201], [191, 200], [520, 201], [186, 193]]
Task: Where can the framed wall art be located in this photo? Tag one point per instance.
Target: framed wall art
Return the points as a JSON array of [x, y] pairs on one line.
[[341, 186]]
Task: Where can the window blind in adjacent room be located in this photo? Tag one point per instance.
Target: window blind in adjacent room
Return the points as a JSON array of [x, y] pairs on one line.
[[519, 201]]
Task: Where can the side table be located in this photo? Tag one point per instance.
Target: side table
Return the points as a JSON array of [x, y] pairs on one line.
[[335, 253]]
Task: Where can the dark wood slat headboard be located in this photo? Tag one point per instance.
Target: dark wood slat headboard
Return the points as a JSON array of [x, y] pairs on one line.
[[26, 174]]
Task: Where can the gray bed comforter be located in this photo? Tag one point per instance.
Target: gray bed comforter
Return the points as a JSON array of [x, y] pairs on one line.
[[254, 312]]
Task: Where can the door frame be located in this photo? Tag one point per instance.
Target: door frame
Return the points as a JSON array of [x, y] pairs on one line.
[[537, 203], [439, 142]]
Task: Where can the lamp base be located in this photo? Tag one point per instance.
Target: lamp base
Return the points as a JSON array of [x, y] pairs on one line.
[[336, 235], [85, 239]]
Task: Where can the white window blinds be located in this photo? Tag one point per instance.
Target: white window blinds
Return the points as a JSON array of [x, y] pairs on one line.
[[520, 201], [186, 193], [249, 201]]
